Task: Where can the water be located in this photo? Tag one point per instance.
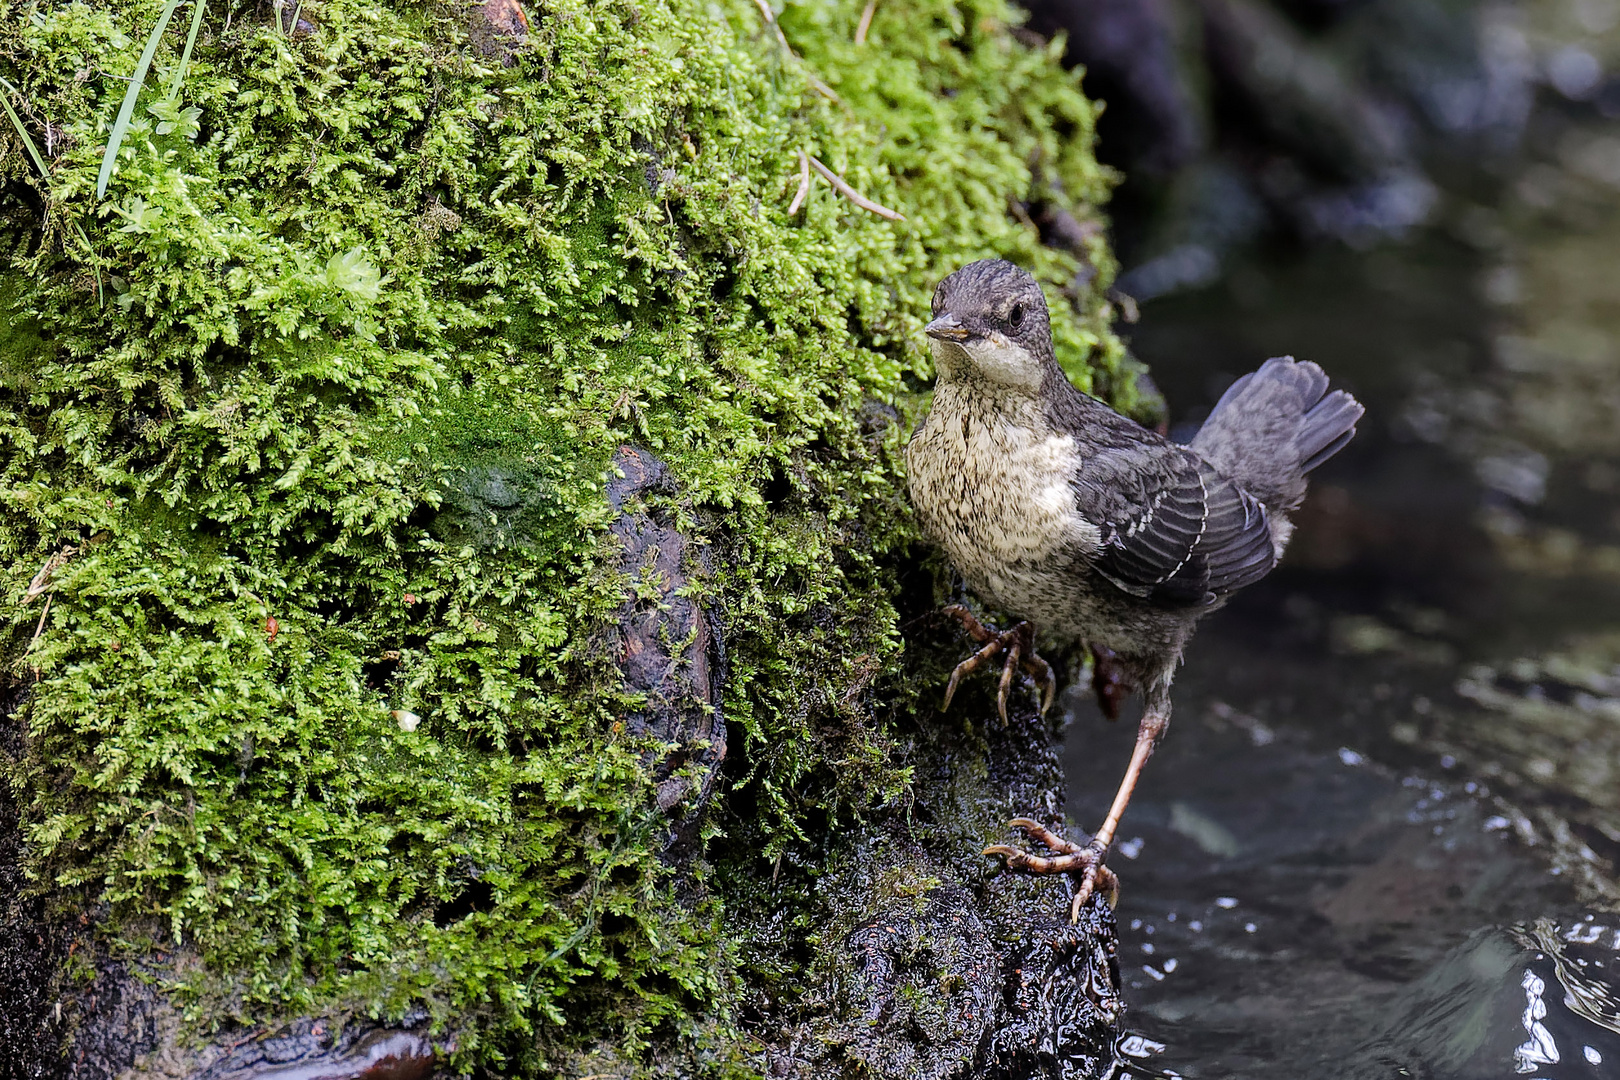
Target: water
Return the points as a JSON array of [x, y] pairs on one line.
[[1380, 837]]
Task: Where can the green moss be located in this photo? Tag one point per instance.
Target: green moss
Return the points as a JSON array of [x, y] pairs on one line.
[[350, 277]]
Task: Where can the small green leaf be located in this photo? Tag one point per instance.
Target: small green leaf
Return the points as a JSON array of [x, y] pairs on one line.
[[354, 275], [140, 217]]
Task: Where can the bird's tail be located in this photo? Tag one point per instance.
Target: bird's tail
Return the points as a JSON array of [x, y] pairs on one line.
[[1273, 426]]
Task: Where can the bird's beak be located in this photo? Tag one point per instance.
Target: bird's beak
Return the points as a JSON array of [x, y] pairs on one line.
[[947, 328]]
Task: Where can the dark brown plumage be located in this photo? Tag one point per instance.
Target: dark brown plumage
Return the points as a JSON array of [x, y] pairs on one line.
[[1098, 531]]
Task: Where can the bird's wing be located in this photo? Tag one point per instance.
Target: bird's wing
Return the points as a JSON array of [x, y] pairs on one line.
[[1173, 530], [1237, 548]]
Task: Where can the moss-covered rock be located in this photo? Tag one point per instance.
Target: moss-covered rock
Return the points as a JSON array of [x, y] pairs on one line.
[[925, 960], [305, 432]]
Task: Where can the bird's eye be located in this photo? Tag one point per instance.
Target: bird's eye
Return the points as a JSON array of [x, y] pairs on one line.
[[1015, 317]]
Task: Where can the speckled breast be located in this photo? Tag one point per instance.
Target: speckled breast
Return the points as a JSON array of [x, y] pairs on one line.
[[992, 486]]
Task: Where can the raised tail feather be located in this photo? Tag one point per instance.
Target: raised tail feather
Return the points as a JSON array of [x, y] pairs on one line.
[[1273, 426]]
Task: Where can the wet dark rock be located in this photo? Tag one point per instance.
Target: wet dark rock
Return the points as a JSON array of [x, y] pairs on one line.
[[669, 650], [118, 1017], [53, 1027], [928, 992], [930, 961], [32, 948], [506, 16], [127, 1029], [495, 506], [667, 646], [315, 1050], [498, 28], [924, 967], [1062, 998]]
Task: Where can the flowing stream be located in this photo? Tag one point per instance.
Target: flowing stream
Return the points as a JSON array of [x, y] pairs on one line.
[[1380, 839]]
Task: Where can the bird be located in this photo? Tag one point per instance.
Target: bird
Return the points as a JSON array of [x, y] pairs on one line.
[[1061, 512]]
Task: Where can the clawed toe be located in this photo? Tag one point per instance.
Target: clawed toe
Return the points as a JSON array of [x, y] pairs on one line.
[[1097, 876], [1070, 857], [1018, 644]]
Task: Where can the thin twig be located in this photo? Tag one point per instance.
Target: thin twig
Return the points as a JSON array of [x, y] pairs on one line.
[[866, 22], [1016, 209], [820, 87], [42, 580], [852, 195], [40, 629], [770, 20], [1126, 304], [804, 184]]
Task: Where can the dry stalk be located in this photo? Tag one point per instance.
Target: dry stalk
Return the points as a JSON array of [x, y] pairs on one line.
[[804, 184], [866, 22], [42, 580], [40, 628], [770, 19], [1017, 210], [851, 194]]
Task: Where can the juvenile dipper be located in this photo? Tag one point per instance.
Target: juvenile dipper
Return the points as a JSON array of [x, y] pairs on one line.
[[1059, 511]]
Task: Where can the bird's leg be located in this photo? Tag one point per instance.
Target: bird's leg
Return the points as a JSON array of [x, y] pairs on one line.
[[1109, 681], [1070, 857], [1089, 860], [1019, 645], [1155, 718]]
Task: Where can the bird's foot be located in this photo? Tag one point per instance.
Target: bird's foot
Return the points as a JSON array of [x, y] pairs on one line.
[[1019, 645], [1070, 857]]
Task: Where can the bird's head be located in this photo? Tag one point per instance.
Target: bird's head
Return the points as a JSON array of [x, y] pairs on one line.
[[990, 323]]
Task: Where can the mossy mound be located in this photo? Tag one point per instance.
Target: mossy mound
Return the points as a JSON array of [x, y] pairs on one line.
[[358, 268]]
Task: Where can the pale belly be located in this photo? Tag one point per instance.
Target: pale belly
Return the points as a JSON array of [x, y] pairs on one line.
[[996, 495], [994, 491]]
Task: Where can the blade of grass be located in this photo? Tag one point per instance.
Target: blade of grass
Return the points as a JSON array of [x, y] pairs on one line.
[[45, 172], [185, 54], [22, 132], [101, 294], [120, 126]]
